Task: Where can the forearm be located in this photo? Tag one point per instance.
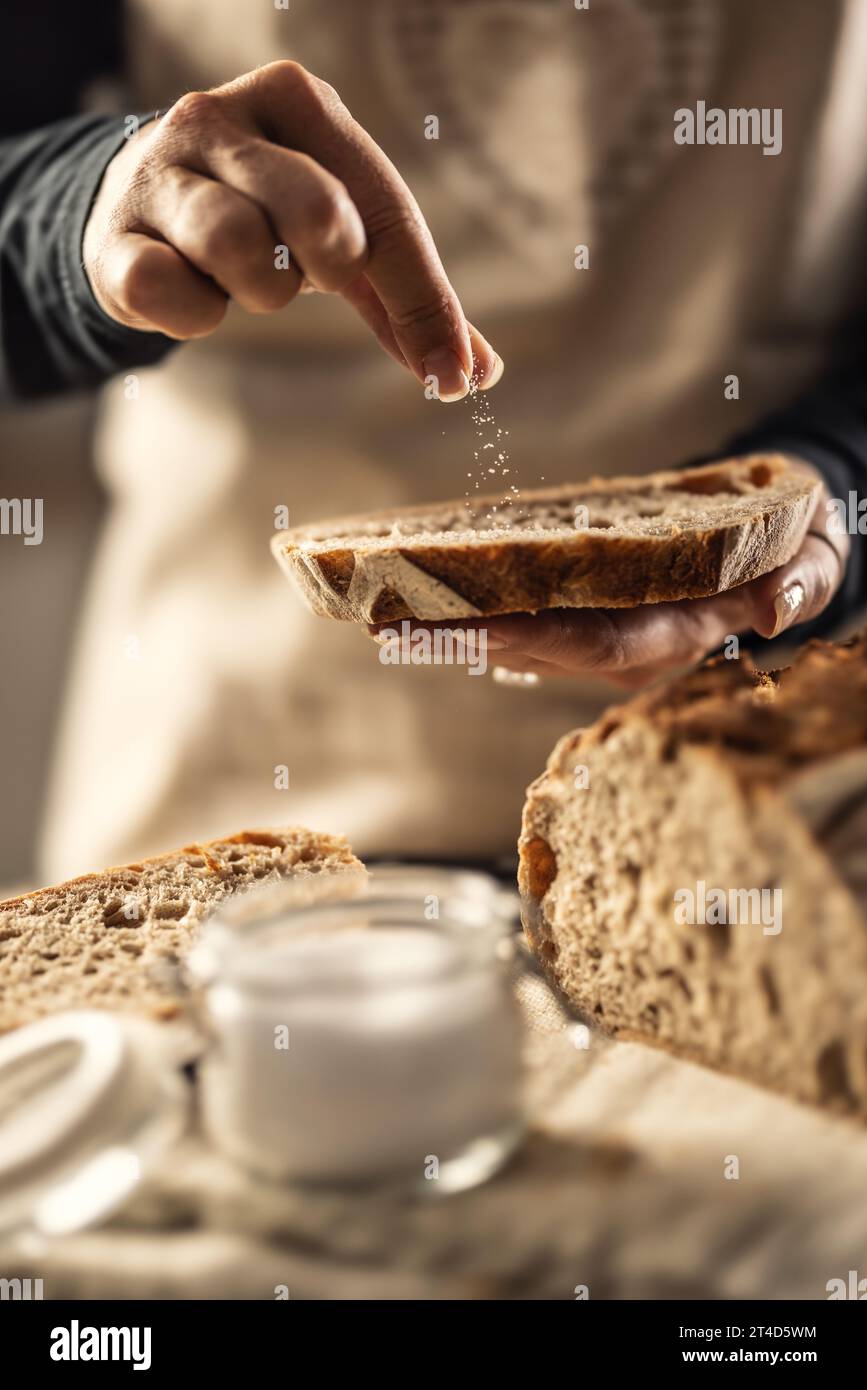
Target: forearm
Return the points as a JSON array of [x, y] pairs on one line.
[[53, 335]]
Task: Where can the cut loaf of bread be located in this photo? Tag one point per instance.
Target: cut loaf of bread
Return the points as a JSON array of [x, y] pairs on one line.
[[610, 543], [112, 940], [739, 781]]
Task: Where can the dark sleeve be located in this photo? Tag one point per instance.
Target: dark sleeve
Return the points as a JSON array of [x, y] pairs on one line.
[[827, 426], [53, 334]]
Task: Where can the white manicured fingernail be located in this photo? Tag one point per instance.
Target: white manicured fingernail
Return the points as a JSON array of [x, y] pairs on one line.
[[520, 679], [445, 376], [788, 603], [493, 644], [496, 372]]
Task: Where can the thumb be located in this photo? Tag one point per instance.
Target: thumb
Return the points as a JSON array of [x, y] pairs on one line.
[[797, 591]]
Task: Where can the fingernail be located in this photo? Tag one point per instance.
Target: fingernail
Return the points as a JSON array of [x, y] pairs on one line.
[[452, 382], [493, 644], [494, 374], [526, 679], [788, 603]]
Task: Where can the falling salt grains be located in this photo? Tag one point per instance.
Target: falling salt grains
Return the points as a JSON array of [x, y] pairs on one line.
[[492, 461]]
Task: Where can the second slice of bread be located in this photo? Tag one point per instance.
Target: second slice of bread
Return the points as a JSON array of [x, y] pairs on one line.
[[111, 940], [611, 543]]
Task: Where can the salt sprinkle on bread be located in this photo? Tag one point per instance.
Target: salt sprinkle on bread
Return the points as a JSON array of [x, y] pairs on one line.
[[611, 543]]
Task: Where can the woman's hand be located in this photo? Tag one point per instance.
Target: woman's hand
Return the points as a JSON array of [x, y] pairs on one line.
[[195, 209], [631, 647]]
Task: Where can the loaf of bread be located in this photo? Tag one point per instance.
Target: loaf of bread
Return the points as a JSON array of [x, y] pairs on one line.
[[693, 870], [610, 543], [112, 940]]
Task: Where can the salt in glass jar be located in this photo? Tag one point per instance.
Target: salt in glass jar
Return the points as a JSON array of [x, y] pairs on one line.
[[375, 1040]]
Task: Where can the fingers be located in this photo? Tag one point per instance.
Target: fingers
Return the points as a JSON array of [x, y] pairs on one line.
[[617, 643], [309, 209], [633, 647], [147, 285], [795, 592], [403, 264], [367, 303], [487, 364], [224, 235], [803, 588], [302, 207], [263, 187], [629, 647]]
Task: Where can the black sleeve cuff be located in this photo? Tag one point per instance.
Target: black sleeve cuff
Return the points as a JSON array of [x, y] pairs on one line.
[[55, 336]]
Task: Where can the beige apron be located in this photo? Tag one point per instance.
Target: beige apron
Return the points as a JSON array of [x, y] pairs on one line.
[[199, 675]]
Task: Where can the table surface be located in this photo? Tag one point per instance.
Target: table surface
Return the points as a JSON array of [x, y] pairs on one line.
[[621, 1187]]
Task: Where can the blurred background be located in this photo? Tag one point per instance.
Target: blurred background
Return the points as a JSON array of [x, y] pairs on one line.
[[157, 668], [46, 451]]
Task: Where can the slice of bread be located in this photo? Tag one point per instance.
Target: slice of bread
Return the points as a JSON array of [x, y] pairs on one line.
[[610, 543], [739, 781], [112, 940]]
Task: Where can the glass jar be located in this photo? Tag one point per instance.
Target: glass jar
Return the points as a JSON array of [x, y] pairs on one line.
[[371, 1040]]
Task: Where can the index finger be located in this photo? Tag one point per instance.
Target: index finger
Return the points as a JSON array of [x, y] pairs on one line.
[[613, 641], [297, 110]]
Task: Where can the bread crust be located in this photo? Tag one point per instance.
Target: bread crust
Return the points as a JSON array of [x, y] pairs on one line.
[[345, 570], [705, 779]]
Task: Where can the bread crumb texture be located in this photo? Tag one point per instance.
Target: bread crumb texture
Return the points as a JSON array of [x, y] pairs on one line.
[[601, 543], [743, 781], [114, 940]]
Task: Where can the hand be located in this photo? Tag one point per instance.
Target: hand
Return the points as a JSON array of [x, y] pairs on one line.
[[193, 210], [631, 647]]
